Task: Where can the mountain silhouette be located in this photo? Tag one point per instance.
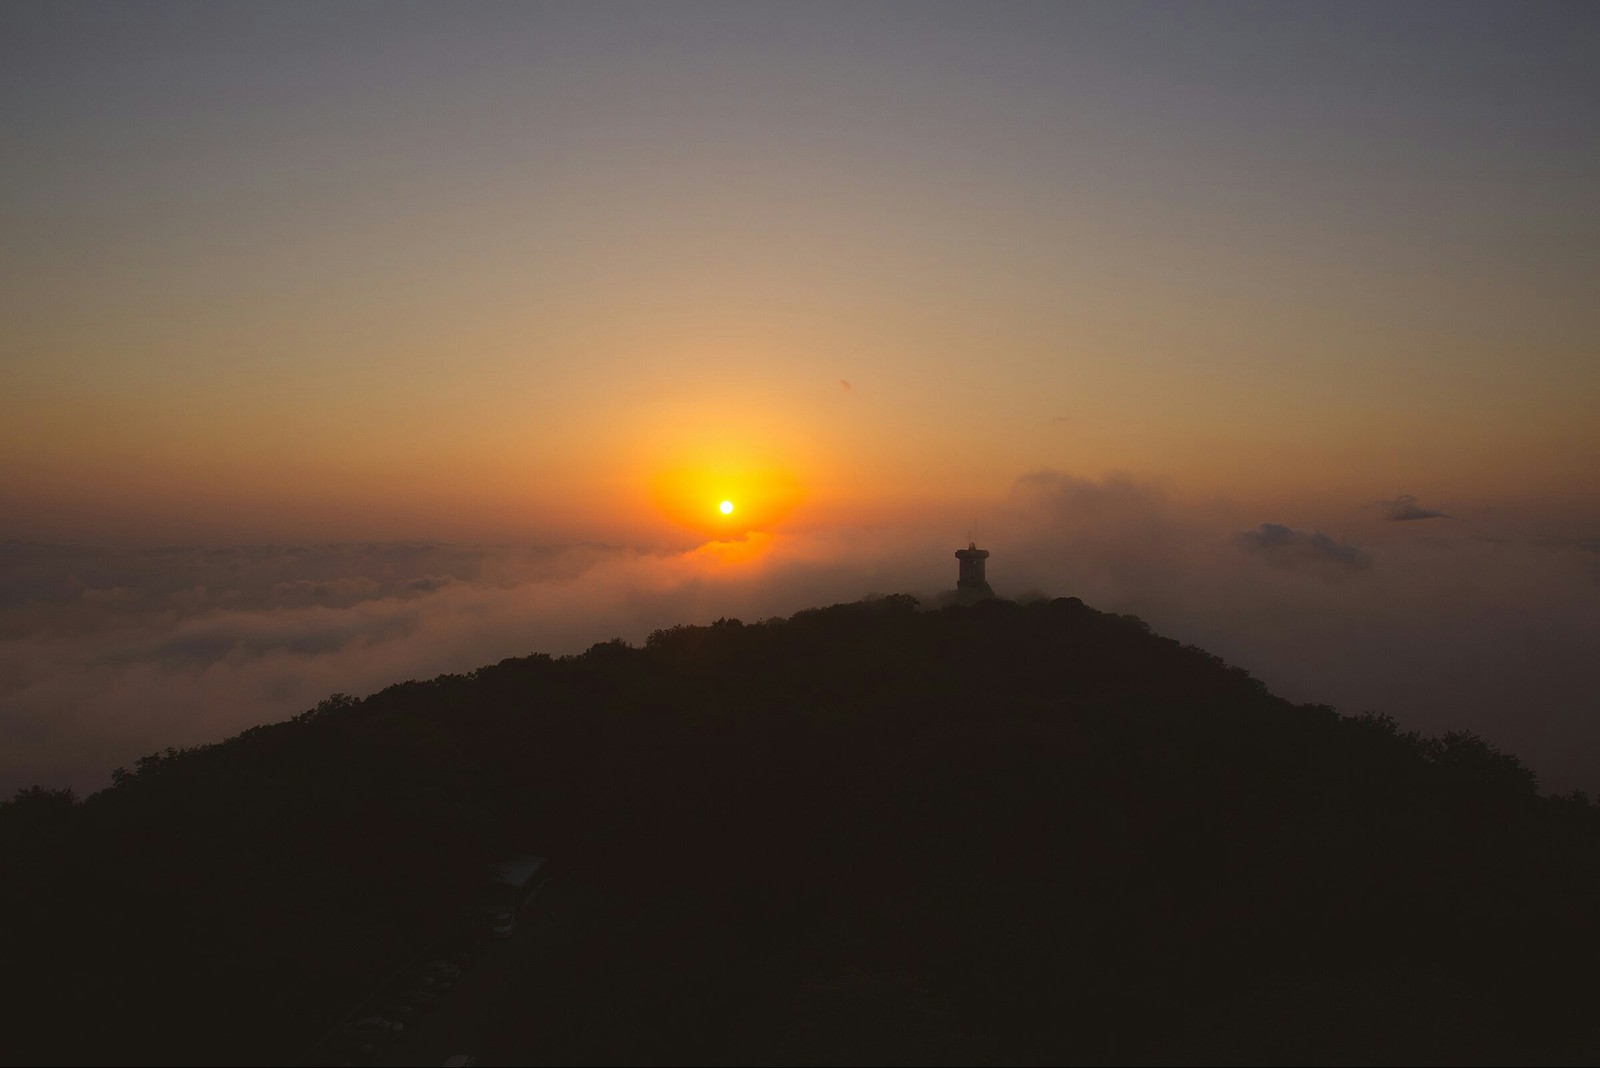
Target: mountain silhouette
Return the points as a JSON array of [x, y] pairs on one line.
[[869, 833]]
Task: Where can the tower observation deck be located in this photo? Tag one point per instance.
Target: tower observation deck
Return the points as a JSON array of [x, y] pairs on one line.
[[970, 582]]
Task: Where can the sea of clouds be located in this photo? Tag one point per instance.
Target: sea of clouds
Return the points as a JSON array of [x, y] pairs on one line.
[[107, 654]]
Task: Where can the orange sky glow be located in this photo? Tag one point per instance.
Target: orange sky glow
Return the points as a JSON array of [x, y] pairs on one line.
[[576, 294], [340, 344]]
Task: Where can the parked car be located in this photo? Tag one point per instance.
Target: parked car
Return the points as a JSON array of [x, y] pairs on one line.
[[398, 1008], [367, 1034], [421, 996], [351, 1050]]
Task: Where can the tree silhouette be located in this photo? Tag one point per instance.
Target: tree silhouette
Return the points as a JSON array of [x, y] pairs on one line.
[[988, 833]]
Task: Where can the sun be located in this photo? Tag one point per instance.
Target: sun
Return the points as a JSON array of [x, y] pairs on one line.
[[722, 499]]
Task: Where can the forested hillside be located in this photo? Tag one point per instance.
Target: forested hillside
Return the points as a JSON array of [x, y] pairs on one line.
[[868, 833]]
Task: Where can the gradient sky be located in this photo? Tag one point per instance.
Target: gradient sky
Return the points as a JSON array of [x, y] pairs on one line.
[[326, 271], [348, 343]]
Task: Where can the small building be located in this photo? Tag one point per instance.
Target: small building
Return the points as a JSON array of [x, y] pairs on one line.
[[971, 585]]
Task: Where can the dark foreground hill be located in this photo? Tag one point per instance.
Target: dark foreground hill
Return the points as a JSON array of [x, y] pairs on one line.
[[864, 834]]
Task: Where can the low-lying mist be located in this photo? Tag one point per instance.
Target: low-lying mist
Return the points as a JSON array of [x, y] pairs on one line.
[[109, 654]]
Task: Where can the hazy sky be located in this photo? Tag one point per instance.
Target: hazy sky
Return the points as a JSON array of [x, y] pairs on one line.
[[468, 270], [438, 332]]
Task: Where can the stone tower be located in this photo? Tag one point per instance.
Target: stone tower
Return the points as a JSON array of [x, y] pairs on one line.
[[970, 583]]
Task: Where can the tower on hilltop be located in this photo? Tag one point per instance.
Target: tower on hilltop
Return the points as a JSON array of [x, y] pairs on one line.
[[970, 583]]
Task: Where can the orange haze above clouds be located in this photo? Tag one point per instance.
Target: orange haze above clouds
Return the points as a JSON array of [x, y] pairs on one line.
[[1261, 327]]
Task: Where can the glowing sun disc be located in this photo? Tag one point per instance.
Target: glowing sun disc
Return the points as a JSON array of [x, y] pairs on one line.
[[726, 507]]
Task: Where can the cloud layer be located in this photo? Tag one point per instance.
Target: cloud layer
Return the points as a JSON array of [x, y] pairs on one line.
[[106, 655], [1491, 631]]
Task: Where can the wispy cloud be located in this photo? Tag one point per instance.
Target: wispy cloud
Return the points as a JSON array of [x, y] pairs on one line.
[[1287, 547], [1405, 508]]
